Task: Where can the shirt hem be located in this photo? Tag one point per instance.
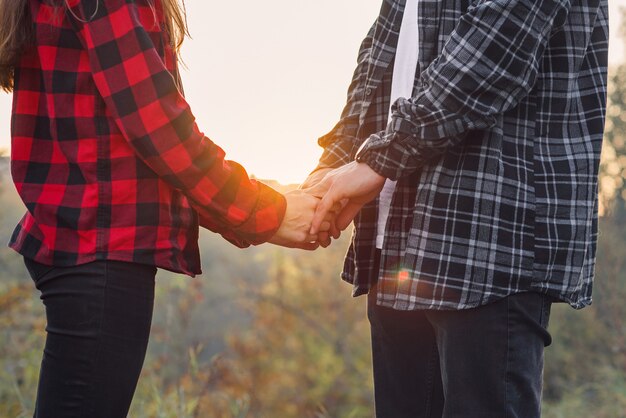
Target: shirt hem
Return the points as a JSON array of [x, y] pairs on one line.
[[123, 257]]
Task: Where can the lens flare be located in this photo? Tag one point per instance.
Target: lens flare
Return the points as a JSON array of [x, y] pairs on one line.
[[403, 275]]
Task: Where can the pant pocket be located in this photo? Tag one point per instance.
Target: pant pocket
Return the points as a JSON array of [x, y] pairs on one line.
[[546, 308], [36, 270]]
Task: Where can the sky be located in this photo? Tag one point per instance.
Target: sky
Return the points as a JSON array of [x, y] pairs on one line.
[[266, 79]]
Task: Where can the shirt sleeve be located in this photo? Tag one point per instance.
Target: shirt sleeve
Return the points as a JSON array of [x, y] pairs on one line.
[[340, 144], [489, 63], [150, 111]]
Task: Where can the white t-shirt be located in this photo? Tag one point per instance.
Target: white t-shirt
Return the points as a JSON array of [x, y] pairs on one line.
[[405, 66]]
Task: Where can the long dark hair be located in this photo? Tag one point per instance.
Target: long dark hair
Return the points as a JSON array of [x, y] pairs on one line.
[[16, 32]]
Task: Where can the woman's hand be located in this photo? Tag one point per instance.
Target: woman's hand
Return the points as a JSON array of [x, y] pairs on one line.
[[294, 230]]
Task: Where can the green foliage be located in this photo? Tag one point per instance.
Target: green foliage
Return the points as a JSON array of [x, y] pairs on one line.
[[604, 397], [302, 350], [308, 344], [586, 365], [21, 344]]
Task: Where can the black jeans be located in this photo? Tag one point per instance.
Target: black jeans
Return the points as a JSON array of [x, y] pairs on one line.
[[485, 362], [99, 316]]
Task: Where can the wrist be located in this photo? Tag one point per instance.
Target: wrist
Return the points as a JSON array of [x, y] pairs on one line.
[[384, 155], [266, 218]]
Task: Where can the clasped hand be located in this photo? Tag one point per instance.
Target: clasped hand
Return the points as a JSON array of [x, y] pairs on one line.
[[325, 204]]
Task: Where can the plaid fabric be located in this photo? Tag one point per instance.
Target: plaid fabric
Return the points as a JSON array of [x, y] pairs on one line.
[[496, 154], [105, 151]]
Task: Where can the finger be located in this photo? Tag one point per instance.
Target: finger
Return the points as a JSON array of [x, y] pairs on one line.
[[331, 215], [324, 239], [311, 238], [306, 184], [347, 215], [335, 232], [323, 207], [325, 226], [309, 246], [337, 207]]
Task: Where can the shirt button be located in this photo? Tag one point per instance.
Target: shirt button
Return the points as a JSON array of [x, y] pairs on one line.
[[368, 91]]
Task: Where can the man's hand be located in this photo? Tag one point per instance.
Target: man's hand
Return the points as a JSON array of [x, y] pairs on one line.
[[354, 184], [314, 178], [324, 238], [294, 230]]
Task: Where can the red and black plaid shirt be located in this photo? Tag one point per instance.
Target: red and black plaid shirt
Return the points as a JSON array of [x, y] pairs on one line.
[[106, 154]]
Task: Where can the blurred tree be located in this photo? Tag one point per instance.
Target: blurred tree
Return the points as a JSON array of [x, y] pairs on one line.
[[21, 321], [307, 353], [613, 166]]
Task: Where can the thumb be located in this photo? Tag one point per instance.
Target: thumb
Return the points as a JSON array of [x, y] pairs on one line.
[[347, 215], [325, 205]]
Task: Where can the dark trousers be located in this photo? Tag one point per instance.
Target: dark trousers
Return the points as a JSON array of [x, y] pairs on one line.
[[485, 362], [98, 324]]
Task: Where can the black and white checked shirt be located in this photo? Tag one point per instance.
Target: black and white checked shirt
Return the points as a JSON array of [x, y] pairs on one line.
[[496, 154]]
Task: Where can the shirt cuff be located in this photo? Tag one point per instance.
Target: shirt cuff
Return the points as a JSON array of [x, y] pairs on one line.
[[266, 217], [385, 154], [260, 227], [339, 150], [224, 231]]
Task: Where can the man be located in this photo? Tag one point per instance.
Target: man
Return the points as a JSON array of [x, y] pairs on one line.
[[494, 148]]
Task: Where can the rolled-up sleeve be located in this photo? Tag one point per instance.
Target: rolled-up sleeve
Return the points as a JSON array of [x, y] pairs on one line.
[[489, 63]]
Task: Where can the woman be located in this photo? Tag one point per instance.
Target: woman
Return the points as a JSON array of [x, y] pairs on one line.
[[116, 177]]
